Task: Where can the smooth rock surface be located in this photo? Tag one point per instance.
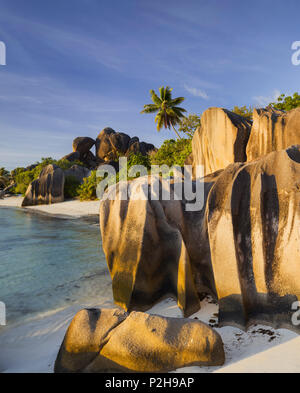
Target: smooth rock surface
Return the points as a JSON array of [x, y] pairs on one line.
[[47, 189], [220, 140], [242, 247], [273, 130], [110, 340]]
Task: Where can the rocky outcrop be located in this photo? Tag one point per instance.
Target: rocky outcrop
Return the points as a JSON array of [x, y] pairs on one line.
[[242, 247], [83, 144], [75, 156], [47, 189], [78, 172], [110, 340], [220, 140], [273, 130], [110, 145]]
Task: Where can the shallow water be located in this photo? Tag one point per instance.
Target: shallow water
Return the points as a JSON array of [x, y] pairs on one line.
[[48, 263]]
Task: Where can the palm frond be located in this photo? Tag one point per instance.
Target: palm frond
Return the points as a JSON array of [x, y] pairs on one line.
[[177, 101], [159, 120], [150, 108], [168, 94], [155, 98], [162, 93]]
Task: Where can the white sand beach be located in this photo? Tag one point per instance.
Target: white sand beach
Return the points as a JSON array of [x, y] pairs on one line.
[[33, 345], [68, 209]]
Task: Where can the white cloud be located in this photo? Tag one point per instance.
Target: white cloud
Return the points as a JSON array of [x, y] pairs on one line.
[[196, 92], [265, 100]]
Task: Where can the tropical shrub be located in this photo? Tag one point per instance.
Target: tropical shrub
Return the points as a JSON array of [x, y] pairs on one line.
[[189, 124], [287, 103], [87, 190], [172, 152]]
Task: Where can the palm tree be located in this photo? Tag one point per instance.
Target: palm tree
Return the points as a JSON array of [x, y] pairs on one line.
[[169, 113]]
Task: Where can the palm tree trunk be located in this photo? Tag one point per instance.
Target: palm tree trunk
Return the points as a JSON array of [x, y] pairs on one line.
[[176, 132]]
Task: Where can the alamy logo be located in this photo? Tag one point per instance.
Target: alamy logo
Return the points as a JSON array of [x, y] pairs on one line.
[[296, 55], [2, 314], [2, 53], [158, 183], [296, 315]]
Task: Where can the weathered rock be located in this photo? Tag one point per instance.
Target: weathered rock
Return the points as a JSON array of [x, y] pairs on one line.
[[140, 147], [273, 130], [83, 144], [47, 189], [104, 148], [110, 145], [78, 172], [100, 340], [75, 156], [155, 251], [242, 247], [220, 140]]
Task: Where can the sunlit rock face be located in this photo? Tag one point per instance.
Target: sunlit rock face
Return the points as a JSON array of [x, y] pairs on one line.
[[111, 340], [220, 140], [47, 189], [273, 130], [242, 246]]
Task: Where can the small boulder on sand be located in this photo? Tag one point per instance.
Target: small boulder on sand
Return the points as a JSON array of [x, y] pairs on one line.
[[111, 340]]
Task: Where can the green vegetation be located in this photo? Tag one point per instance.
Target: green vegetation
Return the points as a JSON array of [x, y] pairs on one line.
[[169, 113], [287, 103], [172, 152], [244, 111], [87, 190], [189, 124], [71, 189], [23, 176], [4, 178]]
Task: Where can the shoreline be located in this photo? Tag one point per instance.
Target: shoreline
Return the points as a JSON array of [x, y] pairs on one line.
[[32, 345], [68, 210]]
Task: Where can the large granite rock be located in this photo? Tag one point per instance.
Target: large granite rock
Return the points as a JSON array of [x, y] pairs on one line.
[[78, 172], [220, 140], [83, 144], [273, 130], [242, 247], [110, 340], [47, 189], [110, 145]]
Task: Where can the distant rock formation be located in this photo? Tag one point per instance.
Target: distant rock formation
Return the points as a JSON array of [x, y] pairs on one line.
[[273, 130], [47, 189], [110, 340], [110, 145], [242, 247], [220, 140], [83, 144]]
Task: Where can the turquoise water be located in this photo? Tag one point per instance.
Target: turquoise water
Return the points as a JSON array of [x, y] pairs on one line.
[[48, 263]]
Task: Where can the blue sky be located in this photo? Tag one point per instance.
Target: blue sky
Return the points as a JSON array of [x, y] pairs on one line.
[[75, 67]]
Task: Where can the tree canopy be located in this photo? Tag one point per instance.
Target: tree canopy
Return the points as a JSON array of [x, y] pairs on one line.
[[169, 113]]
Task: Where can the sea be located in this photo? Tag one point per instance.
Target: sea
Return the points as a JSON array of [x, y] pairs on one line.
[[48, 263]]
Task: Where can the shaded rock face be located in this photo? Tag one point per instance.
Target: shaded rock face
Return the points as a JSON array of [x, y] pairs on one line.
[[220, 140], [110, 340], [273, 130], [242, 247], [110, 145], [47, 189], [77, 171], [75, 156], [83, 144]]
